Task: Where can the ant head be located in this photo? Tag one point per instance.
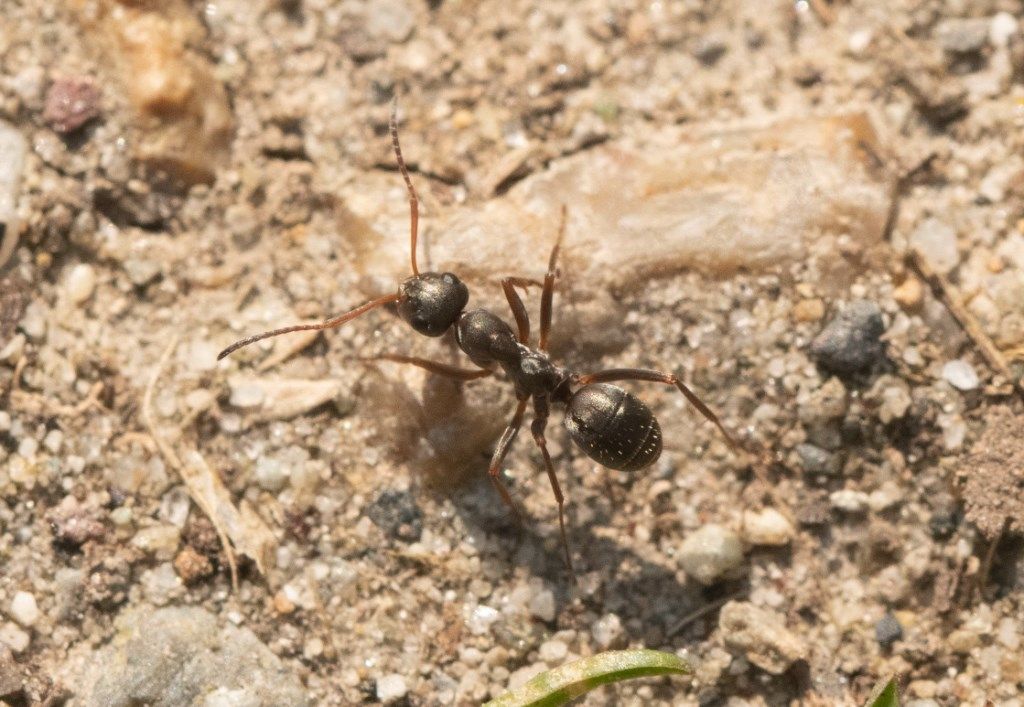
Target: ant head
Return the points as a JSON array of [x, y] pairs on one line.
[[431, 302]]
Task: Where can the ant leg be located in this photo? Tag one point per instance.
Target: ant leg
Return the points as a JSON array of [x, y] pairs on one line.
[[538, 425], [641, 374], [329, 324], [501, 451], [549, 286], [441, 369], [515, 303]]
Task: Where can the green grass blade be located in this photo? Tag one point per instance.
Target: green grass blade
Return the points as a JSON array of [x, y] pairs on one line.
[[559, 686], [885, 694]]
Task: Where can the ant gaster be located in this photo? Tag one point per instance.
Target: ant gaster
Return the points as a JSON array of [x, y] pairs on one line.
[[612, 426]]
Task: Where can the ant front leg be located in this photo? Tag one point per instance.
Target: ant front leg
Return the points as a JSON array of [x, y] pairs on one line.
[[642, 374], [501, 451], [539, 424], [441, 369]]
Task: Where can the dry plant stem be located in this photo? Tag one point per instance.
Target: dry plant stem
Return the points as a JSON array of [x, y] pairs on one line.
[[703, 611], [986, 561], [172, 458], [948, 294]]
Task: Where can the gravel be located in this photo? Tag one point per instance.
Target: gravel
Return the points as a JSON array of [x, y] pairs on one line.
[[740, 233], [850, 342], [711, 553], [23, 609], [888, 630]]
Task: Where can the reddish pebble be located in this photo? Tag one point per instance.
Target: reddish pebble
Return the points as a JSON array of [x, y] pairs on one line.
[[71, 103]]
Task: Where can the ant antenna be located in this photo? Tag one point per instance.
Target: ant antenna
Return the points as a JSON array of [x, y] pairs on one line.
[[329, 324], [414, 202]]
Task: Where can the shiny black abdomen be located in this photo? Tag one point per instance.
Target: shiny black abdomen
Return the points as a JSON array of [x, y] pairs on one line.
[[613, 427]]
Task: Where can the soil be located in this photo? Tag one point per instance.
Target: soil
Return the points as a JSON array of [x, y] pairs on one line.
[[231, 172]]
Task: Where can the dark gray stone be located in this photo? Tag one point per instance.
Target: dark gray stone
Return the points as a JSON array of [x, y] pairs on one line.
[[850, 342]]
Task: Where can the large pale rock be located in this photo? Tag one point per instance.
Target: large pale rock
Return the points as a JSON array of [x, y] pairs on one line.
[[180, 656], [710, 198]]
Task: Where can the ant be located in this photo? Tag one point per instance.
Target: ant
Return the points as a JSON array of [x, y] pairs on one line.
[[612, 426]]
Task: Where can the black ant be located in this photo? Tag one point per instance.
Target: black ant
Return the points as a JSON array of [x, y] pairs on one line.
[[613, 427]]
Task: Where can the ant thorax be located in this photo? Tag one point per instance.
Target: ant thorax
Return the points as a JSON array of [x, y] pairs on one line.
[[533, 374]]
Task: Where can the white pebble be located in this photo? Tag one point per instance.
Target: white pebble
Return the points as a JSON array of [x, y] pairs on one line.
[[1003, 26], [80, 283], [14, 638], [270, 474], [391, 687], [27, 448], [481, 618], [24, 609], [553, 652], [607, 630], [766, 527], [885, 497], [246, 395], [960, 375], [53, 441], [849, 500], [542, 605], [711, 553], [937, 239], [33, 322], [859, 41]]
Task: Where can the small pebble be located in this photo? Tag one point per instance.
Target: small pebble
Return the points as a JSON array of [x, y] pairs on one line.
[[23, 609], [607, 630], [270, 474], [542, 605], [809, 310], [963, 36], [525, 674], [816, 460], [390, 20], [895, 401], [158, 540], [71, 102], [960, 375], [192, 566], [391, 688], [909, 294], [80, 283], [710, 553], [766, 527], [888, 630], [481, 619], [937, 240], [553, 652], [14, 638], [850, 342], [246, 395], [53, 441], [859, 41], [761, 636], [849, 500], [1001, 28]]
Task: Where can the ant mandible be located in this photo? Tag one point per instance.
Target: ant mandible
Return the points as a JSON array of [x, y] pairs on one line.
[[612, 426]]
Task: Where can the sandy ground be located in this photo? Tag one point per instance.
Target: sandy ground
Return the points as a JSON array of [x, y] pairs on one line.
[[745, 184]]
